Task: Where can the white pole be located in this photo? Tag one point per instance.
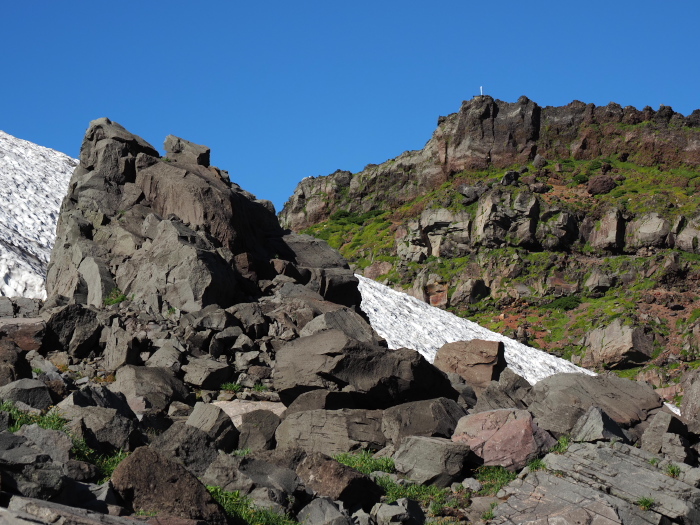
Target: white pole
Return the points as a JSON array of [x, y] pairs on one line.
[[481, 88]]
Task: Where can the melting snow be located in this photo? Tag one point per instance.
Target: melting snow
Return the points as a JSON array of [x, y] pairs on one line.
[[33, 182]]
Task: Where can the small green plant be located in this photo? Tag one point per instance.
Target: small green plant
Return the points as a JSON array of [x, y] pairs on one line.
[[645, 503], [115, 297], [171, 311], [673, 470], [489, 514], [365, 462], [37, 371], [424, 494], [105, 463], [493, 479], [562, 445], [51, 420], [146, 513], [537, 464], [259, 387], [566, 303], [167, 159], [231, 387], [240, 508], [241, 452], [654, 461]]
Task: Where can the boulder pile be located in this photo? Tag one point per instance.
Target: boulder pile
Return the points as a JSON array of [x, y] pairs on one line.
[[195, 363]]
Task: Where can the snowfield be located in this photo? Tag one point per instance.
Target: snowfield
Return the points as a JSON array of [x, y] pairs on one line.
[[33, 182]]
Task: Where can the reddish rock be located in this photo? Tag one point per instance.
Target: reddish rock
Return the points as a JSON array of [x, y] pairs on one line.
[[26, 333], [601, 184], [478, 362], [377, 269], [509, 438], [148, 481]]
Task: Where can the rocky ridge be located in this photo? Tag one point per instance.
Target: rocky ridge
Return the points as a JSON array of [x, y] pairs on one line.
[[572, 229], [222, 365]]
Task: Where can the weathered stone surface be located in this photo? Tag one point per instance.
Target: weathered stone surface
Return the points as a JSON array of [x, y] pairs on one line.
[[432, 460], [662, 423], [478, 362], [330, 360], [332, 432], [74, 329], [54, 443], [27, 333], [217, 424], [321, 399], [596, 425], [29, 391], [404, 511], [345, 320], [608, 234], [322, 511], [600, 185], [28, 471], [617, 345], [433, 417], [103, 429], [30, 511], [558, 401], [690, 406], [189, 445], [505, 437], [13, 364], [181, 150], [150, 482], [206, 373], [258, 430], [236, 408], [508, 392], [331, 479], [649, 230], [148, 389]]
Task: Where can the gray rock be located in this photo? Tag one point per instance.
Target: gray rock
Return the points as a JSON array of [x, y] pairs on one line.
[[322, 511], [148, 389], [345, 320], [26, 470], [120, 349], [214, 421], [54, 443], [431, 460], [402, 511], [617, 345], [187, 444], [509, 391], [596, 425], [608, 234], [74, 329], [332, 432], [167, 356], [32, 392], [434, 417], [662, 423], [321, 399], [182, 150], [649, 230], [30, 511], [258, 430], [103, 429], [206, 373]]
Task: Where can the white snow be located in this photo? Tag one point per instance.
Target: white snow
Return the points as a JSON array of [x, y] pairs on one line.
[[406, 322], [33, 182]]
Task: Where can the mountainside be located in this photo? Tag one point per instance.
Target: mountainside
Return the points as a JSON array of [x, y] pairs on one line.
[[33, 181], [573, 229]]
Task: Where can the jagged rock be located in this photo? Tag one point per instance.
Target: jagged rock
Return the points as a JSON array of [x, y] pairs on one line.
[[148, 481], [236, 408], [31, 392], [189, 445], [332, 431], [322, 511], [13, 364], [27, 333], [470, 291], [100, 396], [167, 356], [558, 401], [181, 150], [216, 423], [617, 346], [509, 391], [345, 320], [478, 362], [331, 360], [30, 511], [661, 424], [26, 470], [74, 329], [596, 425], [434, 417], [258, 430], [505, 437], [120, 349], [608, 234], [206, 373], [649, 230], [599, 281], [402, 511], [148, 389], [54, 443], [690, 406], [432, 460], [103, 429], [557, 229], [331, 479]]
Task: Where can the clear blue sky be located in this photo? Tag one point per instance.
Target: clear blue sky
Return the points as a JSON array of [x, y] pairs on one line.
[[281, 90]]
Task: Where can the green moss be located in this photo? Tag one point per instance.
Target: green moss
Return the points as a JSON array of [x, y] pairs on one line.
[[365, 462], [493, 479], [240, 508]]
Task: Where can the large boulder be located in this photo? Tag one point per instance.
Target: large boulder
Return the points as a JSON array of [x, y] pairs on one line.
[[331, 360], [432, 460], [505, 437], [617, 346], [148, 481], [148, 390], [433, 417], [478, 362]]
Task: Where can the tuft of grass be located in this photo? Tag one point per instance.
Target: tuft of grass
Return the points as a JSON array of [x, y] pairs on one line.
[[566, 303], [240, 508], [493, 479], [537, 464], [673, 470], [259, 387], [115, 297], [562, 445], [105, 463], [489, 514], [365, 463], [424, 494], [51, 420], [654, 461], [241, 452], [231, 387], [645, 503]]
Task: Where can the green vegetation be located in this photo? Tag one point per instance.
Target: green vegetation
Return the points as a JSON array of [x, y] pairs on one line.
[[493, 479], [673, 470], [240, 508], [231, 387], [51, 420], [537, 464], [259, 387], [115, 297], [654, 461], [105, 463], [365, 462], [645, 503], [489, 514], [562, 445], [566, 303], [425, 494], [241, 452]]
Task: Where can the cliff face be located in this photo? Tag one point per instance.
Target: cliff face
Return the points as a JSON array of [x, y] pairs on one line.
[[492, 134]]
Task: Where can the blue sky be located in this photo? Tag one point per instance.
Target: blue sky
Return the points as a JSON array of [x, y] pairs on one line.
[[283, 90]]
